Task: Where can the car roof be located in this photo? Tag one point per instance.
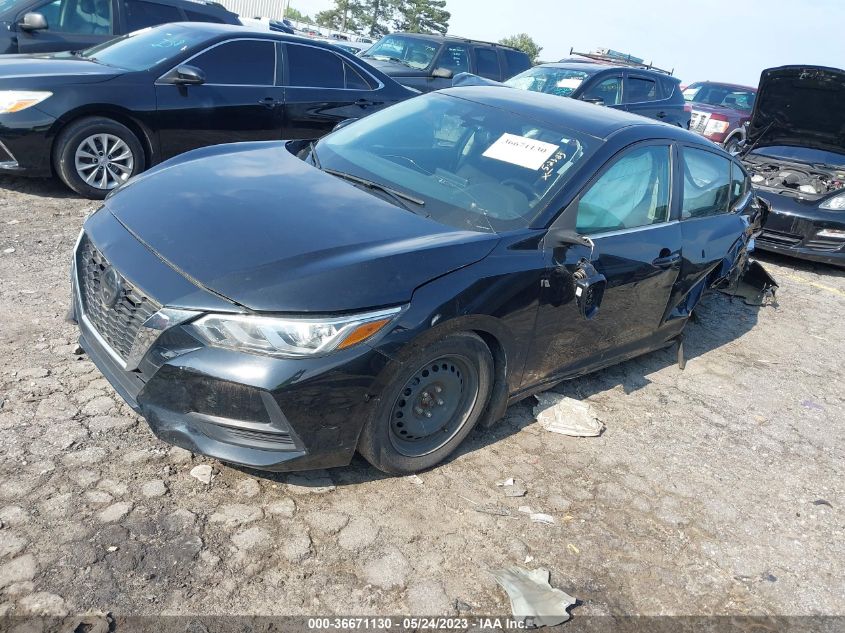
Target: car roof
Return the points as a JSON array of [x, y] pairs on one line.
[[726, 84], [596, 121], [213, 29], [456, 38], [593, 68]]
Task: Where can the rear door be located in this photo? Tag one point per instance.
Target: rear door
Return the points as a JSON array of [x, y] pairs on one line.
[[71, 25], [239, 100], [711, 226], [627, 213], [322, 89]]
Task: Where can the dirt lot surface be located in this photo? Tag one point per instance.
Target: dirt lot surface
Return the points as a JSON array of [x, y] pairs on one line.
[[716, 490]]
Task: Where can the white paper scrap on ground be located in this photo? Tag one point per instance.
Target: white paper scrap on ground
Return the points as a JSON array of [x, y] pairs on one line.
[[522, 151], [533, 600], [559, 414]]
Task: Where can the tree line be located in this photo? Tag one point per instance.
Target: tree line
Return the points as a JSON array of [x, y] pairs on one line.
[[380, 17]]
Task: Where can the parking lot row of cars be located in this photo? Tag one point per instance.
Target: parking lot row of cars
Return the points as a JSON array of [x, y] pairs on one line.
[[411, 258]]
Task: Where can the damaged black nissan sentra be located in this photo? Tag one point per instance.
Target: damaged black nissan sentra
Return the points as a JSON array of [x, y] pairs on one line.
[[282, 305]]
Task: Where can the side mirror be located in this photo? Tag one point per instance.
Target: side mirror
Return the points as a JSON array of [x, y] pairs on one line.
[[589, 289], [186, 75], [33, 22], [566, 237], [595, 100], [442, 73]]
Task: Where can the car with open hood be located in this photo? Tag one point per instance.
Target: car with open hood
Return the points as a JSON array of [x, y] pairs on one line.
[[95, 118], [282, 305], [795, 153]]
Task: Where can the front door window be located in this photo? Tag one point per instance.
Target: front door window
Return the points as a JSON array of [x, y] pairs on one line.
[[82, 17]]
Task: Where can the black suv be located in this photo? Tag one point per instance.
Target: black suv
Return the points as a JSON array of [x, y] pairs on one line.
[[45, 26], [428, 62], [646, 91]]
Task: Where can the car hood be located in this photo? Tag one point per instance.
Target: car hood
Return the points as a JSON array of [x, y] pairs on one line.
[[802, 106], [255, 224], [395, 69], [15, 69]]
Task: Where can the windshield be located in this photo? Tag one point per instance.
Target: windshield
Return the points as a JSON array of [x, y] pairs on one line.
[[410, 51], [471, 166], [719, 95], [145, 48], [802, 154], [556, 81]]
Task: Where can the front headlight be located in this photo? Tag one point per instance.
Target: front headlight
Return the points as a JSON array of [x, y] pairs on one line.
[[291, 337], [715, 126], [836, 203], [17, 100]]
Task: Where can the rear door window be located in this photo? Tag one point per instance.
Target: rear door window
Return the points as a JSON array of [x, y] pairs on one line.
[[487, 63], [707, 183], [224, 64], [641, 89], [312, 67], [515, 62], [140, 14]]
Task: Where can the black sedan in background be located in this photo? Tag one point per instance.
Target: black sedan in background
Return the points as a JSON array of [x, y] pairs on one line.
[[282, 305], [97, 117], [795, 152]]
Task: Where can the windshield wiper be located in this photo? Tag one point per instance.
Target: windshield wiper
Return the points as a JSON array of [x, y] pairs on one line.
[[312, 147], [397, 196]]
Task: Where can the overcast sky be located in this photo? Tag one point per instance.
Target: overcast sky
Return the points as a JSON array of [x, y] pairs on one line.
[[727, 40]]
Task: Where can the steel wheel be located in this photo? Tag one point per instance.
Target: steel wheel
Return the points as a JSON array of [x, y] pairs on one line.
[[104, 161], [434, 405]]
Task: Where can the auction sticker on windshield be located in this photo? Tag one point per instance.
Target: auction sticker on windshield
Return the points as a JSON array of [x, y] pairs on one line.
[[522, 151]]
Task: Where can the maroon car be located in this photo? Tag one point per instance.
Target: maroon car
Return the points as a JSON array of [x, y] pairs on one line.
[[720, 111]]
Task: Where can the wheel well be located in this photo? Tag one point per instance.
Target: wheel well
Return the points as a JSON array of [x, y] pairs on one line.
[[121, 118], [499, 394]]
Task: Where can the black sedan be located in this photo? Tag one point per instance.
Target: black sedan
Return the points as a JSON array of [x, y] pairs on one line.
[[795, 152], [95, 118], [422, 269]]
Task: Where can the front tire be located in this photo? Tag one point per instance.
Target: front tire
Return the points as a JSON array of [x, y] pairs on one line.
[[732, 144], [94, 155], [429, 406]]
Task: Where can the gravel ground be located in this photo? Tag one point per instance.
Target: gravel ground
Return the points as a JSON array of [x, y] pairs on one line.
[[716, 490]]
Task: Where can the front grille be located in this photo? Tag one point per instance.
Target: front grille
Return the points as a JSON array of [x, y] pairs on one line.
[[779, 238], [117, 325], [698, 121], [824, 245]]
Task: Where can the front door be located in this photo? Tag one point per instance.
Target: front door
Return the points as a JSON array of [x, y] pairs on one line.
[[71, 25], [238, 101], [626, 213]]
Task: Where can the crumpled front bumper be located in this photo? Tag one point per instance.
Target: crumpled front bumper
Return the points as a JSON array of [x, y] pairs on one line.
[[257, 411]]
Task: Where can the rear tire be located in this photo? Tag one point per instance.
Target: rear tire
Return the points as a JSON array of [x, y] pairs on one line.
[[429, 406], [94, 155]]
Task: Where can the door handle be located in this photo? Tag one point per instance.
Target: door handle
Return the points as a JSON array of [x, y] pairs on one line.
[[661, 115], [363, 103], [269, 102], [666, 261]]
